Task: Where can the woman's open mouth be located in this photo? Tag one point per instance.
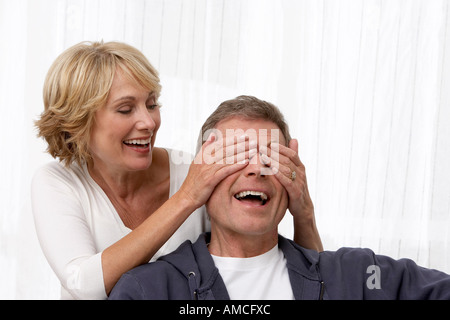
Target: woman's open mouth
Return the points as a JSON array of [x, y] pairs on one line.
[[138, 144]]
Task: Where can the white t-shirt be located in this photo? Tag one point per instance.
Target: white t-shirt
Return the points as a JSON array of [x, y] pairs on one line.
[[264, 277], [75, 221]]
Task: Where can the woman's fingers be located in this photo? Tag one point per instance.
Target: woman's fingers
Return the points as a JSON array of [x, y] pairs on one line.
[[233, 149], [286, 152], [285, 164]]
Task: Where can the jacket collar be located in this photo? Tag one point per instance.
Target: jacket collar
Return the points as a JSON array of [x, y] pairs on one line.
[[303, 269], [195, 262], [211, 285], [302, 266]]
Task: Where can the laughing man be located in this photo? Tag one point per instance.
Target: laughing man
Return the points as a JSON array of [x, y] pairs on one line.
[[244, 257]]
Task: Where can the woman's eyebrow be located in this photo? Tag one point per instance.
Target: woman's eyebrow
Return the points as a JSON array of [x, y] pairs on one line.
[[126, 98], [132, 98]]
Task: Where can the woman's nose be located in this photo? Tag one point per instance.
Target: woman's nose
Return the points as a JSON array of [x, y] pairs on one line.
[[145, 120]]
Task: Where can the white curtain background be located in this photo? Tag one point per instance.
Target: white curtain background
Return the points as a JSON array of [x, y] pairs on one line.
[[364, 85]]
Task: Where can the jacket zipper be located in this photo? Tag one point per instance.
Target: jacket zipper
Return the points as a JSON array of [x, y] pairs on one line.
[[322, 290], [193, 285]]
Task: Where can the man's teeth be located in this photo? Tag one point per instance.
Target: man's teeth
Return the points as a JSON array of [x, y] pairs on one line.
[[139, 141], [243, 194]]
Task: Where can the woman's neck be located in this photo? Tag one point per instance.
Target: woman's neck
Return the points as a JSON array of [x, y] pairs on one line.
[[123, 183], [135, 195]]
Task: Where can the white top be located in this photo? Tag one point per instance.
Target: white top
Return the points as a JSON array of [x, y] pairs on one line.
[[75, 221], [264, 277]]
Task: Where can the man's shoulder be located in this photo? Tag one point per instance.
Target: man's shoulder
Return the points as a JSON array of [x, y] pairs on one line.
[[348, 254], [146, 282], [348, 260], [167, 264], [152, 275], [162, 279]]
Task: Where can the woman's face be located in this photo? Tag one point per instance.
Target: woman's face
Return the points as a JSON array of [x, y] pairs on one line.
[[124, 131]]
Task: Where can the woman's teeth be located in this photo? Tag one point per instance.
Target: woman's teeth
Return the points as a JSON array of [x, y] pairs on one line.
[[137, 141]]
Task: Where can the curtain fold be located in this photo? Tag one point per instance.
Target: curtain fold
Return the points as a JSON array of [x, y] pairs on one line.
[[362, 83]]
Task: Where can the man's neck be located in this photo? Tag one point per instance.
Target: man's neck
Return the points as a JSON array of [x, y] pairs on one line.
[[225, 244]]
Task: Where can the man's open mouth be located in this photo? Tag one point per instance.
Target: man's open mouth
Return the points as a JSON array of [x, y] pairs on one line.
[[256, 197]]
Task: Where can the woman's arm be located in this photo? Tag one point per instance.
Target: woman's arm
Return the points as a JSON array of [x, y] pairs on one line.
[[140, 245], [68, 242], [144, 241], [306, 233]]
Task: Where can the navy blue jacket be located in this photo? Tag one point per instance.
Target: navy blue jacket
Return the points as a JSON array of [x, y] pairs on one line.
[[190, 273]]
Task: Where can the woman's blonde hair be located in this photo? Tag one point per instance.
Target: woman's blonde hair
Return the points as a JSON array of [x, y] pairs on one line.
[[77, 85]]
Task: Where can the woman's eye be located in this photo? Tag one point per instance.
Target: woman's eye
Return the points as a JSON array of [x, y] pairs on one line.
[[152, 107], [124, 111]]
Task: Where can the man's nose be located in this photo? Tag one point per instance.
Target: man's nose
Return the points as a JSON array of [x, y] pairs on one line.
[[258, 166]]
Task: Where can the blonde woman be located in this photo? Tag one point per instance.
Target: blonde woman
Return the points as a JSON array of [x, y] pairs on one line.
[[114, 201]]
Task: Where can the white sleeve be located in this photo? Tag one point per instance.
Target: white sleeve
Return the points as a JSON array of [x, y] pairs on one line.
[[65, 236]]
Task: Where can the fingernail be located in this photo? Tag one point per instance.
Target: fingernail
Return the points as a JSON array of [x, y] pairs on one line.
[[252, 152], [245, 161], [211, 136], [263, 149], [252, 144], [275, 145], [265, 159], [242, 138]]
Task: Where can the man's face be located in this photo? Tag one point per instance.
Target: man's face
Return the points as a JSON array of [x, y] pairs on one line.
[[250, 201]]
